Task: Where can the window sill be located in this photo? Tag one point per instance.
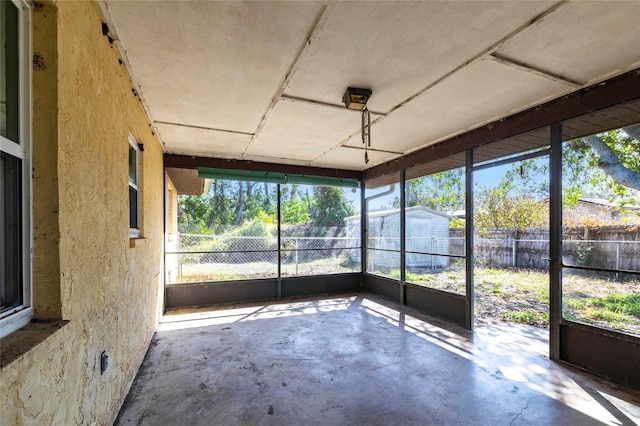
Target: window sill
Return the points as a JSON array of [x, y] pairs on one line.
[[15, 321], [133, 242], [28, 337]]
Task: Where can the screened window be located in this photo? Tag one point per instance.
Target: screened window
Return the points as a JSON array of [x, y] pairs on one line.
[[435, 231], [320, 230], [15, 296], [230, 233], [601, 229], [383, 228]]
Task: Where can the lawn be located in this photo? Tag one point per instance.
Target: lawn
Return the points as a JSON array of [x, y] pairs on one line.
[[515, 295], [520, 295], [206, 272]]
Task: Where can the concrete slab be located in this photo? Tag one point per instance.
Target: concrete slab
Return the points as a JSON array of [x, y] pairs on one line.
[[358, 359]]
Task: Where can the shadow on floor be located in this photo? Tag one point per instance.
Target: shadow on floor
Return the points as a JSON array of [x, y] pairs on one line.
[[360, 360]]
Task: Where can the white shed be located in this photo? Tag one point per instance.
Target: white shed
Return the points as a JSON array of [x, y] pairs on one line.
[[427, 231]]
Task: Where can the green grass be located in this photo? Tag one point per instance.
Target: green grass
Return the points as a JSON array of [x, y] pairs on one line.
[[543, 295], [522, 296], [614, 310], [516, 295], [527, 317], [619, 303], [576, 304]]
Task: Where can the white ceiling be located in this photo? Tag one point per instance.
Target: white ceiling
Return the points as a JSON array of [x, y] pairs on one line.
[[264, 81]]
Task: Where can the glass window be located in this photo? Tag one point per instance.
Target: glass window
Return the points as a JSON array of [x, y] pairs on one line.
[[134, 190], [15, 183], [11, 294], [231, 233], [511, 240], [133, 165], [9, 67]]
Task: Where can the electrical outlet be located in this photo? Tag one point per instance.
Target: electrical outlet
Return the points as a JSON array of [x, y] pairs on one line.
[[104, 362]]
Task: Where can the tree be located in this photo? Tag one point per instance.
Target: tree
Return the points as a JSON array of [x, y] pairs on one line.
[[618, 154], [241, 188], [444, 191], [519, 200], [294, 209], [500, 211], [222, 205], [606, 165], [330, 206], [193, 214]]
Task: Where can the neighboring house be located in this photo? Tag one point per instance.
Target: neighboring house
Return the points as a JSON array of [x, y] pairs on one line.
[[591, 210]]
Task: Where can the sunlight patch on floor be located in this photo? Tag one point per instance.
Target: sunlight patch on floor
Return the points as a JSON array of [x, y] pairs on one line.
[[520, 353]]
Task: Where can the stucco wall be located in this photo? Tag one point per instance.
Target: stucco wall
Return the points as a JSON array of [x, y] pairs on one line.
[[108, 285], [46, 231], [172, 237]]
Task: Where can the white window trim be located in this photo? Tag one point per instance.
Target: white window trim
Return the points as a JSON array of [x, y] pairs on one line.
[[11, 321], [135, 232]]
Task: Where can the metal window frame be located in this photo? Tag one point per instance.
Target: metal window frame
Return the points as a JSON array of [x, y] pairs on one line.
[[135, 232], [20, 316]]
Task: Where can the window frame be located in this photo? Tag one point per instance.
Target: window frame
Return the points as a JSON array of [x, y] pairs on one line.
[[20, 316], [134, 232]]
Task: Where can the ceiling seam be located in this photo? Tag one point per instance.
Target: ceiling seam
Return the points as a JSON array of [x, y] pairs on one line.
[[482, 55], [325, 104], [478, 57], [345, 140], [235, 132], [318, 26], [106, 15], [512, 63]]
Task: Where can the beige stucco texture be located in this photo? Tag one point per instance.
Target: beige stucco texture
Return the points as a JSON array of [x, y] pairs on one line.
[[86, 269]]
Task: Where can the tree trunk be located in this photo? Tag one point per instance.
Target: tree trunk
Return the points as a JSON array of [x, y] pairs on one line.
[[250, 186], [633, 131], [610, 163], [240, 205], [241, 198], [266, 191]]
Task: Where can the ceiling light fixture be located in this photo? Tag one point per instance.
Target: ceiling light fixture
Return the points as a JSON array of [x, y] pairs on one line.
[[356, 98]]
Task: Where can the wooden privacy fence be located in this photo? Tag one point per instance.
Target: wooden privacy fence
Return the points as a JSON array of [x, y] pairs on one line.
[[613, 247]]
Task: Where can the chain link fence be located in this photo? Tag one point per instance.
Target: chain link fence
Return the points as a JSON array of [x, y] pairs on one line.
[[205, 257], [618, 255]]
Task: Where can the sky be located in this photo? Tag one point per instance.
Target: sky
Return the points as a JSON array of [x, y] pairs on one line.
[[487, 178]]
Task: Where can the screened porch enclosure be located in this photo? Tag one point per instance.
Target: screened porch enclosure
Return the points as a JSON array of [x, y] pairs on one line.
[[421, 232], [247, 241]]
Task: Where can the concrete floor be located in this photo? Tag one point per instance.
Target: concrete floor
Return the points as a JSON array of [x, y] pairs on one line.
[[359, 360]]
